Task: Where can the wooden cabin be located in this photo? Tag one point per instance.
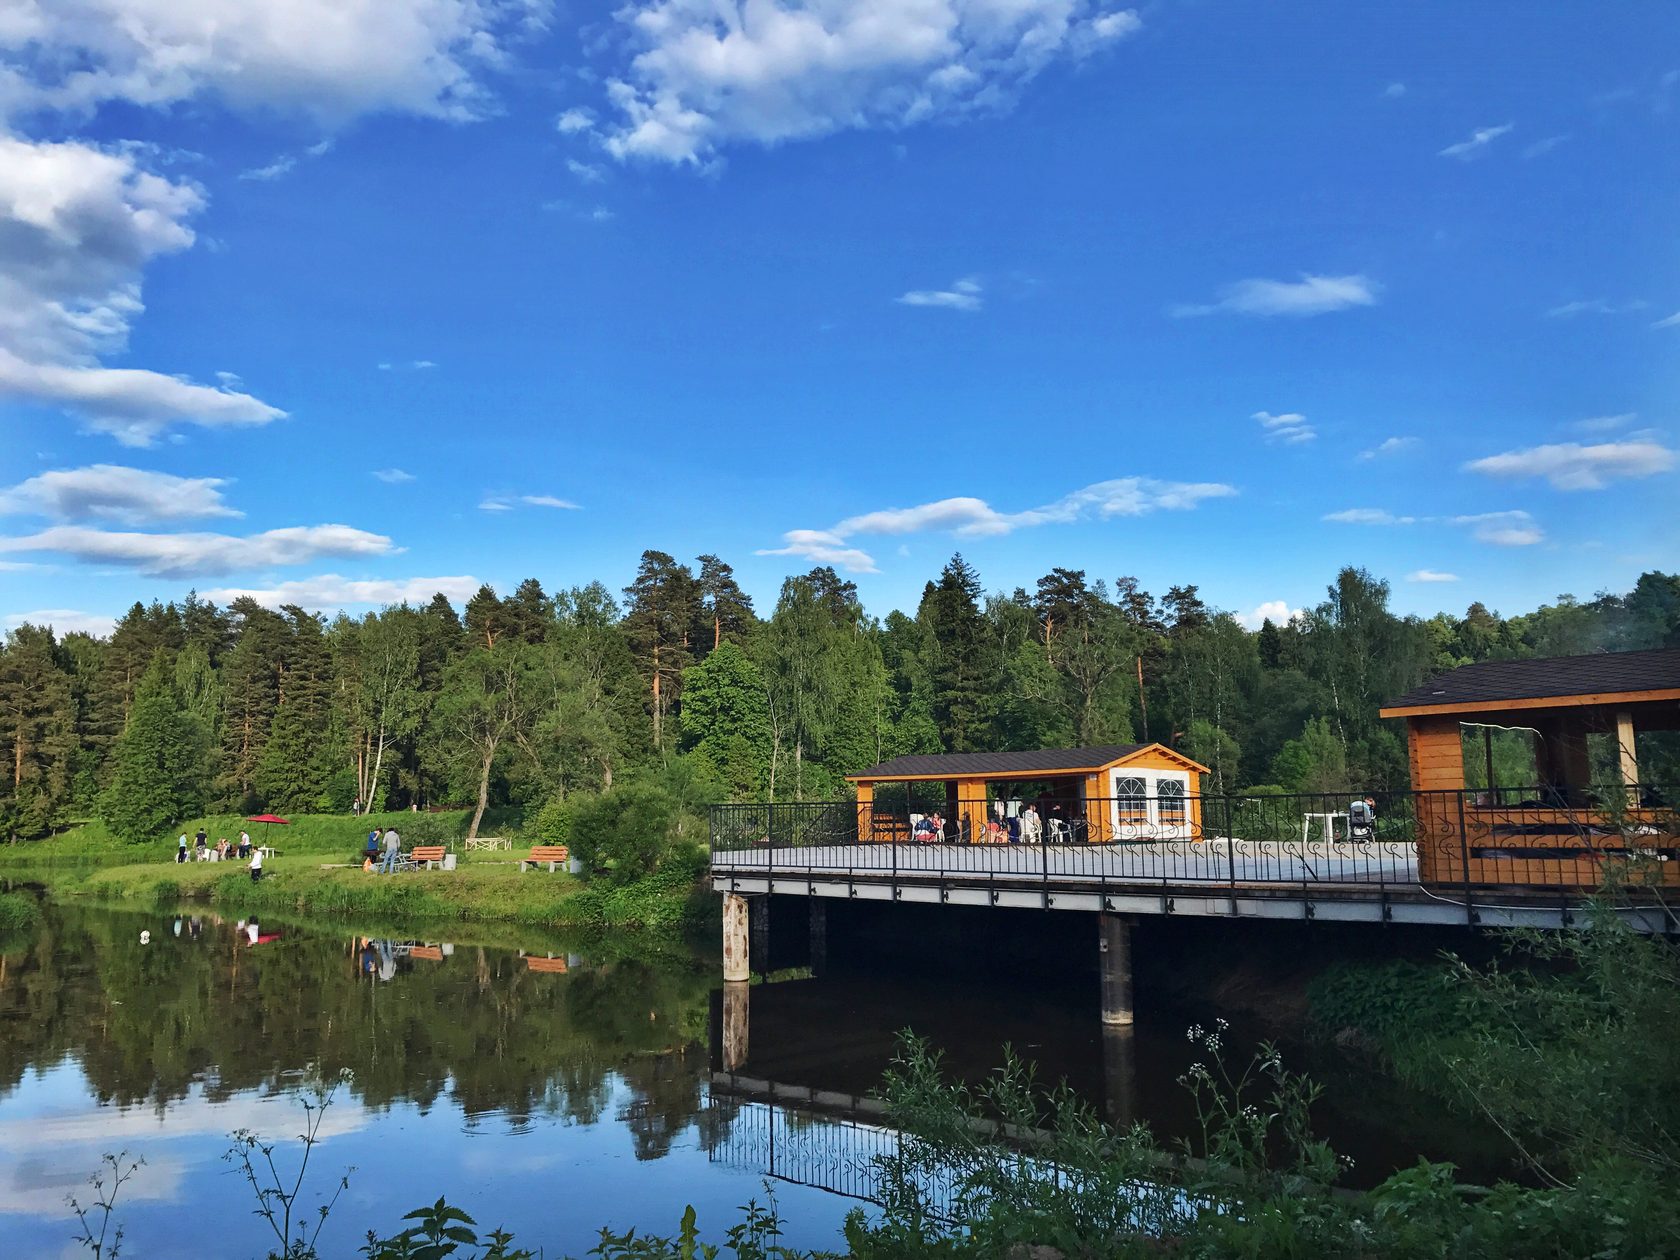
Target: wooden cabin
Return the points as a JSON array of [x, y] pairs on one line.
[[1116, 792], [1582, 804]]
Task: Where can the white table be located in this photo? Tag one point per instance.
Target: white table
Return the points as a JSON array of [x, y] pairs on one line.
[[1328, 822]]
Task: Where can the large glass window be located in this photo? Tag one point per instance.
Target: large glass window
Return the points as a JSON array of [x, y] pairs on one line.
[[1132, 796], [1171, 800]]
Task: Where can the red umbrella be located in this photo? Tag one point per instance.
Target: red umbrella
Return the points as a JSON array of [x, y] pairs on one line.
[[265, 819]]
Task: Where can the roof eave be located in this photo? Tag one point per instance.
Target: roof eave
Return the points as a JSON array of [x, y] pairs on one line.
[[1532, 702]]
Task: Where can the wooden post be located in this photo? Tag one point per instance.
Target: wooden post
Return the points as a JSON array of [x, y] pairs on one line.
[[1114, 949], [735, 964], [1627, 754]]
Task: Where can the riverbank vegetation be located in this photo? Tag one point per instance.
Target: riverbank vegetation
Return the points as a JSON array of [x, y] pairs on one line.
[[533, 702]]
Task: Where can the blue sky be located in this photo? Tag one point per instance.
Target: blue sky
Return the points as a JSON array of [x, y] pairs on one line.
[[362, 298]]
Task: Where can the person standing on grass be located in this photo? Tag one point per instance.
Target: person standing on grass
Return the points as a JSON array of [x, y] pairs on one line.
[[256, 866], [393, 850], [181, 853]]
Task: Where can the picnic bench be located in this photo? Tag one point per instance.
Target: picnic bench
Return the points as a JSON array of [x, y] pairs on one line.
[[430, 953], [550, 965], [553, 854], [423, 855]]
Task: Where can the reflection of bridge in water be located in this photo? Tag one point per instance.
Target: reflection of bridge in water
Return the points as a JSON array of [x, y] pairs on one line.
[[807, 1137]]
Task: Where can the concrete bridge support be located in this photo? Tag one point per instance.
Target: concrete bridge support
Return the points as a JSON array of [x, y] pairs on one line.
[[736, 1000], [819, 936], [1119, 1047], [1114, 947], [736, 964]]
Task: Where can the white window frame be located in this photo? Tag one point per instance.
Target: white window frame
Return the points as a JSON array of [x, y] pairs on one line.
[[1152, 780]]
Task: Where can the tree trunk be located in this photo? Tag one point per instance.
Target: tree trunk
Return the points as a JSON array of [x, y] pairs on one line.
[[373, 779], [658, 716], [483, 789]]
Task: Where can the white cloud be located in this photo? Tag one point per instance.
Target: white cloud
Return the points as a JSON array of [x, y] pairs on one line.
[[600, 214], [277, 169], [1368, 516], [1477, 143], [1290, 428], [1277, 611], [393, 476], [508, 502], [1594, 306], [333, 59], [1572, 466], [1389, 446], [963, 295], [64, 621], [77, 227], [968, 517], [1544, 146], [1310, 295], [573, 121], [111, 492], [702, 75], [1673, 321], [199, 554], [1503, 529], [1605, 424], [329, 591], [584, 171], [1394, 91], [1430, 575]]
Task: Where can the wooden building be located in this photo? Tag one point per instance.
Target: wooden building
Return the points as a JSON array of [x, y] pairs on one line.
[[1584, 805], [1116, 792]]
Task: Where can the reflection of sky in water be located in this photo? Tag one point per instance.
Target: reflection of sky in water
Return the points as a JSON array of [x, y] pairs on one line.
[[553, 1183]]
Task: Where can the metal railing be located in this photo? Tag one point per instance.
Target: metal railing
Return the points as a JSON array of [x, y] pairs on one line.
[[1524, 838]]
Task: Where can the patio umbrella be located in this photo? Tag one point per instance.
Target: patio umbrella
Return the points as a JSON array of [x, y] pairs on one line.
[[265, 820]]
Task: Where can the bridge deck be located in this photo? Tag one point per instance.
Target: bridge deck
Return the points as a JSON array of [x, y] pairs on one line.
[[1374, 882]]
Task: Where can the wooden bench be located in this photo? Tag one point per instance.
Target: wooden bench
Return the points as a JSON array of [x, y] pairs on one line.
[[423, 855], [552, 966], [553, 854], [430, 953]]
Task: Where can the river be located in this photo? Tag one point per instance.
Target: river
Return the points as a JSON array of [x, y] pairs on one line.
[[542, 1084]]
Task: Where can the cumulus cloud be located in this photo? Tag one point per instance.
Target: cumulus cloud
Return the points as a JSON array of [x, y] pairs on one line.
[[329, 58], [967, 517], [963, 295], [1394, 91], [1503, 529], [1310, 295], [64, 621], [330, 591], [701, 75], [1605, 424], [199, 554], [1572, 466], [1290, 428], [1276, 611], [573, 121], [1477, 142], [277, 169], [1430, 575], [78, 225], [1389, 446], [111, 492], [393, 476], [585, 171]]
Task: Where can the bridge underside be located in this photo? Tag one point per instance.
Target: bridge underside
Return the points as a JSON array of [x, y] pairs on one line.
[[1372, 883]]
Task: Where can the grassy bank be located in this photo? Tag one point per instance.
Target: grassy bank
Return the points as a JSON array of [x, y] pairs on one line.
[[88, 862], [478, 891]]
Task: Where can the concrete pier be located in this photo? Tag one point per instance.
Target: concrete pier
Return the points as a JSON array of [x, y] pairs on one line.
[[1114, 946], [736, 1000], [736, 965], [1119, 1050]]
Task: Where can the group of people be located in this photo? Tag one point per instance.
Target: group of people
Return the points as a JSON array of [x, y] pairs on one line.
[[224, 850], [386, 839], [1025, 827]]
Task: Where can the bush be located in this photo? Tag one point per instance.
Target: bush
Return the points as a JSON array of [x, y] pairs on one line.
[[624, 834]]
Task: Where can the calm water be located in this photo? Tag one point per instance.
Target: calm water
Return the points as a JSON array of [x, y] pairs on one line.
[[554, 1092]]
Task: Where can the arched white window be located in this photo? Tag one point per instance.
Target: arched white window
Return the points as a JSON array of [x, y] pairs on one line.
[[1170, 800], [1131, 794]]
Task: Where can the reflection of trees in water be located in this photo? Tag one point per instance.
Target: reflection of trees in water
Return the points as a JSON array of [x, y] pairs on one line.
[[147, 1023]]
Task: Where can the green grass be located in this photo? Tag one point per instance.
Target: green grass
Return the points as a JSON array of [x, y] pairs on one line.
[[482, 890]]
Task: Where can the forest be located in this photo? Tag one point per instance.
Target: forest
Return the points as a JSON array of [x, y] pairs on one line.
[[679, 688]]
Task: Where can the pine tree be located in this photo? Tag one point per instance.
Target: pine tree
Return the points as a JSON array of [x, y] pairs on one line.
[[159, 762], [658, 623], [723, 609], [951, 610]]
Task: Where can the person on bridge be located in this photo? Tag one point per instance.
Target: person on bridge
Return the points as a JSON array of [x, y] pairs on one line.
[[1032, 829]]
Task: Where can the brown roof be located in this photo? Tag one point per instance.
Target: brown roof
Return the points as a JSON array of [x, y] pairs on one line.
[[977, 765], [1603, 673]]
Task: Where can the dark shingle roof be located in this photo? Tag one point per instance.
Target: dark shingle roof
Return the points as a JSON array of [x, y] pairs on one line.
[[1598, 674], [962, 765]]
